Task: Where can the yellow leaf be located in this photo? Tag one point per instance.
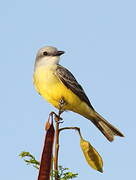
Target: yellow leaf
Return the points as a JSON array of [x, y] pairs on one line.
[[91, 155]]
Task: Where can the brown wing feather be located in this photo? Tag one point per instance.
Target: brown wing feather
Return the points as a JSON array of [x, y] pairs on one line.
[[71, 83]]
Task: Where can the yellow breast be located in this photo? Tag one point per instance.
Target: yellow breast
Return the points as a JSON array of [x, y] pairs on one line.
[[52, 89]]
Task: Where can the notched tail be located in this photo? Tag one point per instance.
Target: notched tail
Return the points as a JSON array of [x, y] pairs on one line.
[[108, 130]]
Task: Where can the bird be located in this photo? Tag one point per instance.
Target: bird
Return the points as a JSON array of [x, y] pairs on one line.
[[59, 87]]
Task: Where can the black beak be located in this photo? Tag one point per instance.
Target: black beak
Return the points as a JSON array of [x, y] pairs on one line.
[[59, 53]]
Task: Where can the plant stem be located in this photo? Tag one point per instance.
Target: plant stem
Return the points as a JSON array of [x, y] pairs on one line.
[[57, 118], [74, 128]]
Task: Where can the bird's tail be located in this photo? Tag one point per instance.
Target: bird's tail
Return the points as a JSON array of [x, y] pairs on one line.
[[108, 130]]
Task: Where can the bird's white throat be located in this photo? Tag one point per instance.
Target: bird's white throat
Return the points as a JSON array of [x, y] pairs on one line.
[[48, 60]]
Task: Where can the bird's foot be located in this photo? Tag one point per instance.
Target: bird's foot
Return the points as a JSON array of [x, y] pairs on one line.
[[57, 117]]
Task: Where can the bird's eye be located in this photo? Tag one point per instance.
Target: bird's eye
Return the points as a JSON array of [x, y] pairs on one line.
[[45, 53]]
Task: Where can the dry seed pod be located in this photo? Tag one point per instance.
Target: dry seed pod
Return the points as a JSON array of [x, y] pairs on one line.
[[91, 155], [46, 160]]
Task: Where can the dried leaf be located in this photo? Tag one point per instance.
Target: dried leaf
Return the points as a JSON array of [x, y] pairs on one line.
[[91, 155]]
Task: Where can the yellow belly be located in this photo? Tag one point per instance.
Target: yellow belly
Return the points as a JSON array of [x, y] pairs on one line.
[[53, 90]]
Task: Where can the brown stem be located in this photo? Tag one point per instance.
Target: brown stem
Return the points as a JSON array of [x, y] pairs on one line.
[[57, 119], [74, 128]]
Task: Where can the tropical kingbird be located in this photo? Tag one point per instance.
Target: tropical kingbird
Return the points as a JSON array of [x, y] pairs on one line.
[[57, 84]]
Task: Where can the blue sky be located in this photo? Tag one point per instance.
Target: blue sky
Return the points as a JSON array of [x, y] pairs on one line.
[[99, 38]]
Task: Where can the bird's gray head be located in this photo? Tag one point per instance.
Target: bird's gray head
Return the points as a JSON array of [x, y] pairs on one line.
[[48, 55]]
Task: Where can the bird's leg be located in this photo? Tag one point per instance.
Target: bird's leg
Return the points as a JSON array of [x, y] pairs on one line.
[[62, 103], [57, 116]]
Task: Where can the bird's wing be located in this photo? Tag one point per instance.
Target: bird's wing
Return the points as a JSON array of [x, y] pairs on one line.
[[67, 78]]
